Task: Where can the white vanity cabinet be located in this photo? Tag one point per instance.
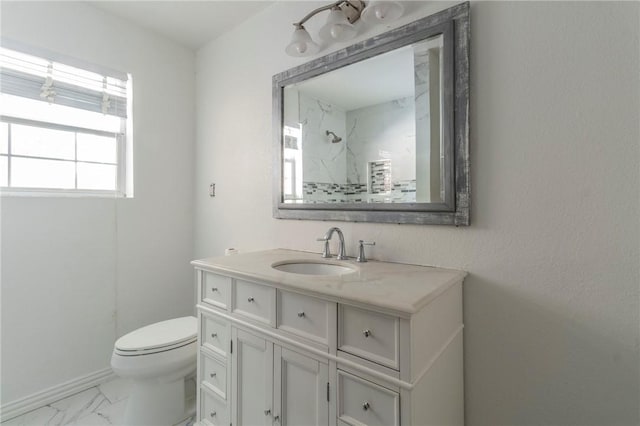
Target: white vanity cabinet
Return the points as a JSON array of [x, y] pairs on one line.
[[275, 385], [379, 346], [246, 376]]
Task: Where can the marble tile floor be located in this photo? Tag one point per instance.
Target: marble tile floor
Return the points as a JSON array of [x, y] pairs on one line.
[[100, 405]]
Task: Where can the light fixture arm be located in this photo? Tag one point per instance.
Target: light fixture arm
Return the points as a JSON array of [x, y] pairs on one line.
[[352, 17]]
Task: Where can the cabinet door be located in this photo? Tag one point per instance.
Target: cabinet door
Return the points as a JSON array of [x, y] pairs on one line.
[[300, 389], [252, 371]]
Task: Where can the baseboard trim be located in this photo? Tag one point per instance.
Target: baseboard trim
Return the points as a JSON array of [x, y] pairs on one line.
[[55, 393]]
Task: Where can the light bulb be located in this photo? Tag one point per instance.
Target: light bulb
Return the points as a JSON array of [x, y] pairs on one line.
[[381, 12], [378, 12], [301, 47], [337, 27], [301, 43], [336, 31]]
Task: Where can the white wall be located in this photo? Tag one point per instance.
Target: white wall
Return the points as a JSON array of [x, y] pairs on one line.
[[77, 273], [551, 302]]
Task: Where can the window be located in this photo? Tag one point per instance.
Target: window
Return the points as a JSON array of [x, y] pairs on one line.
[[292, 165], [62, 128]]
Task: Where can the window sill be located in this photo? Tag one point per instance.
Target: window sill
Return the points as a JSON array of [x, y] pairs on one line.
[[59, 193]]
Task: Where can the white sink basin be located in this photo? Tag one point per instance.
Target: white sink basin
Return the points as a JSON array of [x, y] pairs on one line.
[[307, 267]]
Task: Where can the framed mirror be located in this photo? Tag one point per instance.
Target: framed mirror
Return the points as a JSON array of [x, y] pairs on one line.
[[378, 131]]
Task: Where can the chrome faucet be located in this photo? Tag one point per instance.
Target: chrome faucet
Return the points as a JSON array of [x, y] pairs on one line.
[[342, 255]]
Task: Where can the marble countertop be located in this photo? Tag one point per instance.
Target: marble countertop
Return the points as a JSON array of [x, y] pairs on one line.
[[397, 287]]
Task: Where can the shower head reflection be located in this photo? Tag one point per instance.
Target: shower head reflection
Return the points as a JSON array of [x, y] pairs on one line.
[[335, 138]]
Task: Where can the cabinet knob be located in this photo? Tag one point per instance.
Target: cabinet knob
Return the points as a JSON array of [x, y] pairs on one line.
[[250, 299], [214, 288], [213, 375], [366, 406], [276, 418], [366, 333], [213, 414], [301, 314], [214, 335], [267, 412]]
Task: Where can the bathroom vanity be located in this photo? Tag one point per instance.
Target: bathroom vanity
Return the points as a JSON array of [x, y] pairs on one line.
[[288, 338]]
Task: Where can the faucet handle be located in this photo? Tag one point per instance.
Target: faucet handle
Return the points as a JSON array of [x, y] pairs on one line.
[[326, 253], [361, 257]]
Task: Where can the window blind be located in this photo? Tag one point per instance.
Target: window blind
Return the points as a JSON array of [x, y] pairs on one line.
[[53, 82]]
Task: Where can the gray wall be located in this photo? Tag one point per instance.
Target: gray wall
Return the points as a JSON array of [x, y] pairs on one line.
[[551, 302]]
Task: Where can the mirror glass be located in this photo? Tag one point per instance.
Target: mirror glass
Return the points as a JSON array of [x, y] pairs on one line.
[[378, 131], [367, 133]]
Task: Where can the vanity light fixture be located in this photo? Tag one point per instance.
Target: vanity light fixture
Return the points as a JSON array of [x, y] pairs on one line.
[[339, 25]]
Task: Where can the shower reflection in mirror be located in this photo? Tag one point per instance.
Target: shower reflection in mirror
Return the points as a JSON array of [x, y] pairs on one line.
[[371, 132]]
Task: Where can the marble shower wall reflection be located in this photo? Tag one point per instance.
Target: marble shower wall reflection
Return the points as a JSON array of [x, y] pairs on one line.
[[369, 132], [381, 150], [323, 161], [348, 171]]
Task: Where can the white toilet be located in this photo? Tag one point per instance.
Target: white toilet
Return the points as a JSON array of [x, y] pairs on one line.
[[158, 359]]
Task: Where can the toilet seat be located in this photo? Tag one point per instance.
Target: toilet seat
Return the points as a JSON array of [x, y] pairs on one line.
[[160, 337]]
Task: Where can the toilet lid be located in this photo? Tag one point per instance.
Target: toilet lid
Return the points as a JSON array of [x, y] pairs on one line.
[[159, 335]]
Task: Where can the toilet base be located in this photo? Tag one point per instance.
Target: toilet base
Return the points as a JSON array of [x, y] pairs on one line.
[[158, 403]]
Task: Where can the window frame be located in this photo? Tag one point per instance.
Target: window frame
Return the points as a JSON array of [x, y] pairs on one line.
[[124, 137], [121, 169]]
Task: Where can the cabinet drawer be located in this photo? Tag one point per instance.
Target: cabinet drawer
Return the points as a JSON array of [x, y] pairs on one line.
[[213, 410], [369, 335], [214, 374], [304, 315], [363, 402], [216, 290], [215, 334], [255, 301]]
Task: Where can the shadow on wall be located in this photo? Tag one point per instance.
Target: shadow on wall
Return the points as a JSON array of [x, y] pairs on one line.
[[552, 372]]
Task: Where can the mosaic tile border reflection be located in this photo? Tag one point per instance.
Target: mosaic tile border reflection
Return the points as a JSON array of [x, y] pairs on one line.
[[325, 192]]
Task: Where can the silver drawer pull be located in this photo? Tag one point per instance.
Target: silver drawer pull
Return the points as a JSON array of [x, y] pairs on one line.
[[214, 335], [250, 299], [214, 288], [367, 333], [267, 412], [366, 406], [213, 375], [301, 314], [213, 414]]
